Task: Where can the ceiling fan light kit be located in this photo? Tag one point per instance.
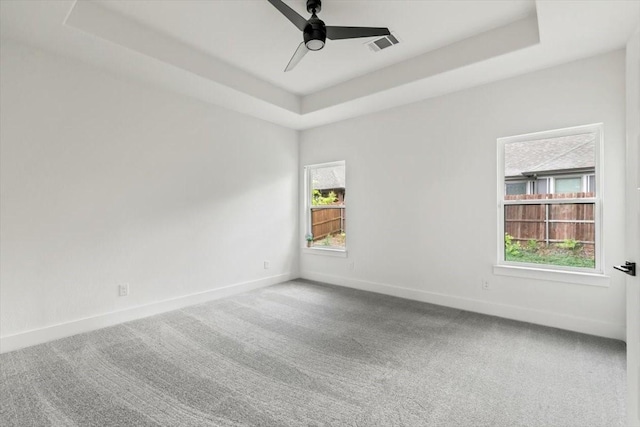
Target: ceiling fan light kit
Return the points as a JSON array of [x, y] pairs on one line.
[[315, 32]]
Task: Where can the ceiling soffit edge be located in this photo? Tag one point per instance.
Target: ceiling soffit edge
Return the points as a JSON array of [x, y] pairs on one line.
[[490, 44], [100, 22]]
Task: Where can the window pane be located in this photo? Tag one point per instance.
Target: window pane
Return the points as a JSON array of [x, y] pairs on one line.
[[591, 183], [568, 185], [516, 188], [552, 234], [530, 159], [542, 186], [327, 184], [328, 212]]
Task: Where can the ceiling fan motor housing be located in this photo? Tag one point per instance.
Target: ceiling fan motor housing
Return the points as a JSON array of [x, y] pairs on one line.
[[315, 33]]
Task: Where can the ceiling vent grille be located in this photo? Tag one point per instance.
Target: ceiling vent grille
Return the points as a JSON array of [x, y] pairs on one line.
[[383, 42]]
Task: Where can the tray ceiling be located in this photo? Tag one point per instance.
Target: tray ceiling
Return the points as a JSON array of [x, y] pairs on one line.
[[232, 53]]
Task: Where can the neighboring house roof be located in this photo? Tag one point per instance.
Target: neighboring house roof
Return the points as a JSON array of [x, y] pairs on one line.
[[547, 155], [328, 178]]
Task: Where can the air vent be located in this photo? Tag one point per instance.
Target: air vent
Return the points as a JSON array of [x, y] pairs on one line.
[[383, 42]]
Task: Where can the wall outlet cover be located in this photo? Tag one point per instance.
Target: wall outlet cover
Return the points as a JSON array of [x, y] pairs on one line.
[[123, 290]]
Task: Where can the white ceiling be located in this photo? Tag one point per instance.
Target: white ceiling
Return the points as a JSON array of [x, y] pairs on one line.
[[232, 53], [255, 37]]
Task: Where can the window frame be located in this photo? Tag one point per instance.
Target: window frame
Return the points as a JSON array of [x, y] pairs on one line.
[[331, 251], [520, 268]]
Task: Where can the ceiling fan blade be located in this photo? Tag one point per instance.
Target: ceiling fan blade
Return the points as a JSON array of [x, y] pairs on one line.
[[338, 33], [290, 14], [300, 52]]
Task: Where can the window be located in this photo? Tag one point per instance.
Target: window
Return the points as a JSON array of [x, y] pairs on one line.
[[516, 188], [551, 185], [590, 183], [549, 198], [325, 206], [568, 185], [543, 186]]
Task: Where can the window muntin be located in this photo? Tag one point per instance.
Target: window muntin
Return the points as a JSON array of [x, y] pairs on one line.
[[556, 224], [326, 206]]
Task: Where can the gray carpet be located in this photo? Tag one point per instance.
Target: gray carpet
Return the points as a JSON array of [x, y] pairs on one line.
[[305, 354]]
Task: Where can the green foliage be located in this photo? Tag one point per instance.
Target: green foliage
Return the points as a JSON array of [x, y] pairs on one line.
[[309, 237], [552, 258], [327, 240], [566, 254], [570, 244], [511, 248], [317, 199]]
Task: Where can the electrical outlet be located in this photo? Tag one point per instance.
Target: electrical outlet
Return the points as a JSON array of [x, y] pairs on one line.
[[266, 265], [351, 266], [485, 284], [123, 290]]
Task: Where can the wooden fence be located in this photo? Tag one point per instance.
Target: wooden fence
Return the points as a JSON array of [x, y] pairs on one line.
[[327, 220], [551, 223]]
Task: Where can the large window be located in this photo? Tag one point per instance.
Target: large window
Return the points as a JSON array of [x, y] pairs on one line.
[[325, 206], [550, 199]]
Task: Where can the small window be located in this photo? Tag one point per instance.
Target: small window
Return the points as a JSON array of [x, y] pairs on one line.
[[542, 186], [557, 225], [516, 188], [590, 183], [326, 206]]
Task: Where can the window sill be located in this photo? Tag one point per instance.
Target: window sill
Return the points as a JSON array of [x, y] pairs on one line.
[[575, 277], [342, 253]]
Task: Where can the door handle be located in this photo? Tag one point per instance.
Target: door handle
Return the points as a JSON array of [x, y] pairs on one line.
[[628, 267]]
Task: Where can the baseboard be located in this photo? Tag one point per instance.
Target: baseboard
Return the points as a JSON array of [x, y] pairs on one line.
[[62, 330], [523, 314]]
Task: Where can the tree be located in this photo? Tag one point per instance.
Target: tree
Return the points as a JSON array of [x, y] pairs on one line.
[[317, 199]]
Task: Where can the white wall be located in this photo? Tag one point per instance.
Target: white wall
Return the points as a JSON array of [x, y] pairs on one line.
[[105, 181], [633, 224], [421, 190]]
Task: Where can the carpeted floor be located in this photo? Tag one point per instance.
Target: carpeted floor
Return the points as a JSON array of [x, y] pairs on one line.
[[304, 354]]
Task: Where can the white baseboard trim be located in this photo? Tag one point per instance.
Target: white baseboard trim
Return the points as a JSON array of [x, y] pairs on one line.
[[523, 314], [62, 330]]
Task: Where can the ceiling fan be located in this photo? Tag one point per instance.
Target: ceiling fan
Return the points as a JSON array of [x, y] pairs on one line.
[[315, 32]]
